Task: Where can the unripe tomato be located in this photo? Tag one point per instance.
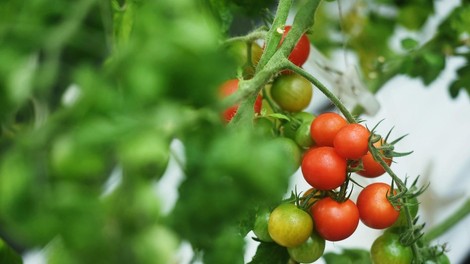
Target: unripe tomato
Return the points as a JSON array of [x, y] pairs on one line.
[[387, 249], [352, 141], [375, 209], [323, 168], [335, 220], [292, 92], [239, 51], [261, 225], [289, 226], [309, 251], [413, 207], [325, 127], [299, 54], [228, 88]]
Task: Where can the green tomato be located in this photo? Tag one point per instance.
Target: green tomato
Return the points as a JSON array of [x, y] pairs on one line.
[[291, 151], [302, 136], [309, 251], [290, 128], [289, 226], [261, 225], [387, 249], [239, 51], [414, 206], [292, 92]]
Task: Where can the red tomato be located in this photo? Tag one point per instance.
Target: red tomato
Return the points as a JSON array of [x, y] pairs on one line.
[[228, 88], [372, 168], [301, 50], [324, 128], [323, 168], [333, 220], [375, 209], [352, 141]]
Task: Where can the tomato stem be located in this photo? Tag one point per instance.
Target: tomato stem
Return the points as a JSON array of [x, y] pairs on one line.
[[448, 223], [335, 100]]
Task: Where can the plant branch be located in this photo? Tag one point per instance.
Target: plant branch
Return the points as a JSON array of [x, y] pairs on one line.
[[448, 223]]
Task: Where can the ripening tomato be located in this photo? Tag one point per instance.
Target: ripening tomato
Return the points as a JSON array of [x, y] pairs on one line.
[[352, 141], [289, 226], [335, 220], [309, 251], [387, 249], [323, 168], [375, 209], [324, 128], [228, 88], [292, 92], [301, 50], [239, 50], [370, 167]]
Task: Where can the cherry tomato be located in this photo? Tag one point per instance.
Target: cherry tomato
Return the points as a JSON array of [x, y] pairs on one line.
[[372, 168], [292, 92], [352, 141], [289, 226], [312, 195], [239, 51], [335, 220], [323, 168], [309, 251], [261, 225], [324, 128], [228, 88], [301, 50], [302, 136], [413, 207], [292, 152], [375, 209], [387, 249]]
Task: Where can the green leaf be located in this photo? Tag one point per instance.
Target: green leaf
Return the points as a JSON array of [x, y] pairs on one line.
[[8, 255], [348, 256], [409, 43], [270, 253]]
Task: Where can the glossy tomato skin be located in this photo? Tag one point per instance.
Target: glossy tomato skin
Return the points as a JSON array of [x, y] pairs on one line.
[[323, 168], [325, 127], [299, 54], [387, 249], [292, 92], [309, 251], [375, 209], [229, 87], [289, 226], [334, 220], [261, 225], [372, 168], [352, 141]]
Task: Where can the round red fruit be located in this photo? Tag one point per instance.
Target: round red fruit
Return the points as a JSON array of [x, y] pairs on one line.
[[325, 127], [323, 168], [352, 141], [228, 88]]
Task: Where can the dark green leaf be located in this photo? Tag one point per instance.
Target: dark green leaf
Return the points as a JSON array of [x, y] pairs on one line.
[[270, 253], [8, 255]]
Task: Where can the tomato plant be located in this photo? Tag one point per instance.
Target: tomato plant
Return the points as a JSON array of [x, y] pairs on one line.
[[375, 209], [325, 127], [229, 87], [351, 141], [246, 55], [387, 249], [323, 168], [292, 92], [289, 225], [334, 220]]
